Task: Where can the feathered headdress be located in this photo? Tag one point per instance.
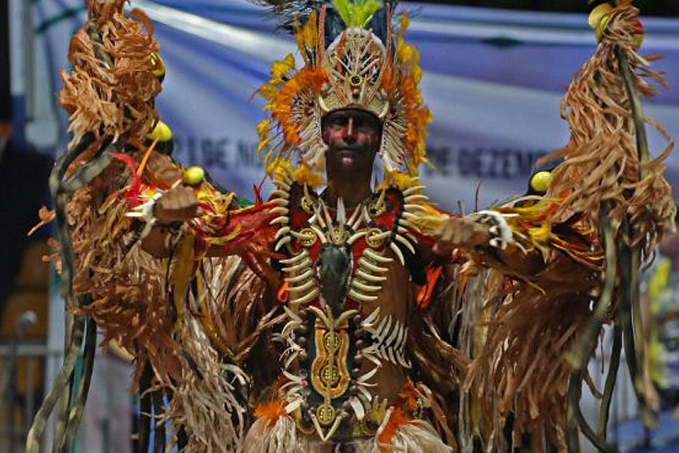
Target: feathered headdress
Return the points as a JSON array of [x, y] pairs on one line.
[[352, 59]]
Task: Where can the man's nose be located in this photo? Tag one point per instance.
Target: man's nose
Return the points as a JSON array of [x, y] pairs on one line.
[[350, 131]]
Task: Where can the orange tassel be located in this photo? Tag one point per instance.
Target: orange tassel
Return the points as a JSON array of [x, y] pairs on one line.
[[142, 165], [271, 412], [283, 295], [396, 420], [409, 395], [424, 296]]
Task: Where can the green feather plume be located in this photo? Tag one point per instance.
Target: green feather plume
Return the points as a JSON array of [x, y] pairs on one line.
[[356, 13]]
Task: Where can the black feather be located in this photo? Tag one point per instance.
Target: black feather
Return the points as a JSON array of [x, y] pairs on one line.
[[287, 12], [334, 25], [382, 19]]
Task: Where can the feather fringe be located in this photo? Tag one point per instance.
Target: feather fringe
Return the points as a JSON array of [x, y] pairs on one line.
[[282, 437]]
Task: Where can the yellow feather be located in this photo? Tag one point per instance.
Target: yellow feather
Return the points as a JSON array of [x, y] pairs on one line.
[[182, 273]]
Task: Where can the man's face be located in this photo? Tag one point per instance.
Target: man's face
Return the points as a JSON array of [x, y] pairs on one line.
[[353, 138]]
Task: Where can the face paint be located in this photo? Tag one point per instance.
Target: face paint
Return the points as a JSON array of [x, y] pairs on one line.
[[353, 138]]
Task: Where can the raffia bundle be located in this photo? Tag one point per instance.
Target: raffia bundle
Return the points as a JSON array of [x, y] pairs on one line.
[[521, 371], [109, 95], [601, 163], [111, 89]]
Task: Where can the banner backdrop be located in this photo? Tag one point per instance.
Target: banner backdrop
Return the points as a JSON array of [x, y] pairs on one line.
[[493, 80]]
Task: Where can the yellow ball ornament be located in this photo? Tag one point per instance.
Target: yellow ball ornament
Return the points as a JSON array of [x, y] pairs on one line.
[[598, 19], [540, 181], [161, 131], [194, 176], [158, 66]]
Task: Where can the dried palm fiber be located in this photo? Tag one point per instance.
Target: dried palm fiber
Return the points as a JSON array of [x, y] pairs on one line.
[[109, 95], [111, 88], [520, 321], [245, 315], [185, 358], [414, 437], [474, 313], [205, 397], [601, 160], [127, 288], [622, 192], [231, 308], [279, 436], [531, 382], [86, 157], [131, 304], [439, 364]]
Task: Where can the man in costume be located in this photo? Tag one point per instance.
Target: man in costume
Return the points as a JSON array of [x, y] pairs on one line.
[[344, 319]]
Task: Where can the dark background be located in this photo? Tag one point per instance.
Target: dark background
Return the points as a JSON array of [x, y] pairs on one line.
[[4, 63], [647, 7]]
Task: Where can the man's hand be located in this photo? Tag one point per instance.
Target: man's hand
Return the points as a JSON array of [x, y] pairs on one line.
[[161, 171], [176, 205], [460, 232]]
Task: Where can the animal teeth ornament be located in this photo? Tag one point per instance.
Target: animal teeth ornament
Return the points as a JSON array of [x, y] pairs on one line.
[[283, 220], [282, 242], [281, 232], [410, 207], [405, 242], [394, 248], [412, 190], [304, 276], [360, 273], [281, 194], [415, 198], [296, 259], [280, 210], [377, 257], [356, 236], [299, 267], [366, 264], [357, 284], [306, 298], [361, 297], [305, 286]]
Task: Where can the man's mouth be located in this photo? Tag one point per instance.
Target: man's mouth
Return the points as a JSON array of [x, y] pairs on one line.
[[348, 151], [348, 156]]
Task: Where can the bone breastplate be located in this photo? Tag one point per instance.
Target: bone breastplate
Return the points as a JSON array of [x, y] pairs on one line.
[[336, 261]]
